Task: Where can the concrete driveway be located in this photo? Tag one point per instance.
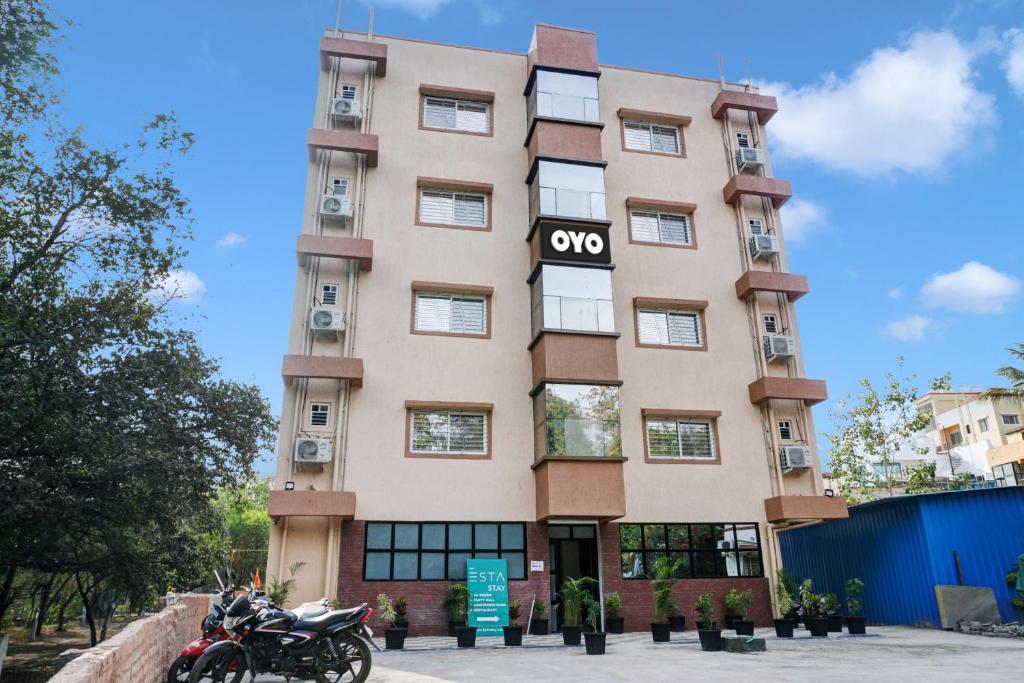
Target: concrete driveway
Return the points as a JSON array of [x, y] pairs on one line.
[[885, 654]]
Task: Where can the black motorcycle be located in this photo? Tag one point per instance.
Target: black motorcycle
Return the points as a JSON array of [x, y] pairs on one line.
[[330, 648]]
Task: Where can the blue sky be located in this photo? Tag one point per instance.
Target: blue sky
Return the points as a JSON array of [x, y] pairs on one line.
[[900, 129]]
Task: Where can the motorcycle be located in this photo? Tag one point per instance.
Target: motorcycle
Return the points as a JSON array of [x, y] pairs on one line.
[[332, 647], [212, 628]]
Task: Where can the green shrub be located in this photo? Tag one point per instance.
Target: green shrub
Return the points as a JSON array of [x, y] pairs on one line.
[[613, 605]]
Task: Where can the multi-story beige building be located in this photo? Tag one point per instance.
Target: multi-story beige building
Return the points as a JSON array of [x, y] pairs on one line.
[[542, 313]]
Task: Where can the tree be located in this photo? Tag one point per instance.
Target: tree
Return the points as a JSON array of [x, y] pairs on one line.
[[243, 507], [871, 427], [1014, 375]]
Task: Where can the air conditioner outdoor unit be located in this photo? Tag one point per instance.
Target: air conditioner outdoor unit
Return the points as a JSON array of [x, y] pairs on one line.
[[795, 457], [332, 206], [749, 159], [312, 450], [323, 319], [778, 347], [346, 110], [763, 246]]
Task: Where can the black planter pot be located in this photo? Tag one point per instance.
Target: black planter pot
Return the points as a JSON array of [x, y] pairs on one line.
[[571, 635], [595, 642], [744, 627], [513, 635], [784, 628], [453, 627], [818, 626], [677, 623], [661, 632], [401, 624], [539, 627], [394, 638], [855, 626], [730, 620], [710, 639], [835, 623], [466, 636], [615, 624]]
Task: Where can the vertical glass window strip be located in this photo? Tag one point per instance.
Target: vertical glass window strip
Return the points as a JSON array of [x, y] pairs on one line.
[[437, 551], [577, 420]]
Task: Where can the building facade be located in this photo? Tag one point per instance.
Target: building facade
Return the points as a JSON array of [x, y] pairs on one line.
[[542, 313]]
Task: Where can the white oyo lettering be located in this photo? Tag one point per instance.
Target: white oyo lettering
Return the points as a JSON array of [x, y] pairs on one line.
[[594, 243], [560, 240], [577, 241]]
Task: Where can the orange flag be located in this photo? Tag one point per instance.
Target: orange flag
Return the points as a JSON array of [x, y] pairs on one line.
[[256, 581]]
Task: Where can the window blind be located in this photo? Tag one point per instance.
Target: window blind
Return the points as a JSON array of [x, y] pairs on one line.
[[451, 313], [669, 328], [329, 295], [319, 414], [667, 228], [680, 439], [651, 137], [448, 432], [453, 208], [439, 112]]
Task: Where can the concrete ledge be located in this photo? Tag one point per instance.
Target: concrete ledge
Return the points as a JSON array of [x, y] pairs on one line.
[[805, 508], [312, 504], [810, 391], [764, 106], [743, 644], [354, 49]]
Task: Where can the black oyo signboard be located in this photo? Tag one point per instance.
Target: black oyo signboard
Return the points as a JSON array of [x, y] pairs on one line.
[[564, 242]]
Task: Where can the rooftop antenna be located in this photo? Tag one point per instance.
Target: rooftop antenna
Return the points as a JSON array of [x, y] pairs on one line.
[[369, 34], [337, 19], [746, 70], [721, 71]]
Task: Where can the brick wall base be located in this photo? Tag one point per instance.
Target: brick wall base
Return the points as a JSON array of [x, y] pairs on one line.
[[144, 649]]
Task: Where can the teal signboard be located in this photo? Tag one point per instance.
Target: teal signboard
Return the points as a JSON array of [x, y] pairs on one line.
[[488, 595]]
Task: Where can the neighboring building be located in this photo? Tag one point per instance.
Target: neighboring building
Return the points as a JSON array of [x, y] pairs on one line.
[[542, 313]]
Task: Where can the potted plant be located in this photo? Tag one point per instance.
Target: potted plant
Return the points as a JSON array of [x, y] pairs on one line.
[[401, 608], [514, 631], [707, 630], [456, 605], [538, 625], [676, 620], [595, 638], [739, 604], [784, 625], [830, 608], [811, 607], [731, 601], [613, 619], [665, 571], [572, 608], [394, 637], [854, 619]]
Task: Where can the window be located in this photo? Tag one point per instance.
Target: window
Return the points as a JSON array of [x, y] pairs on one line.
[[893, 470], [1010, 474], [565, 96], [437, 551], [451, 114], [319, 414], [756, 226], [650, 137], [338, 187], [450, 313], [956, 438], [682, 438], [347, 91], [577, 420], [786, 430], [569, 298], [567, 190], [1011, 420], [983, 424], [448, 432], [968, 428], [665, 228], [443, 207], [743, 140], [703, 550], [329, 294], [771, 323], [669, 328]]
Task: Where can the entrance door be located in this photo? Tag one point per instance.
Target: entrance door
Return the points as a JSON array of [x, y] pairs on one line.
[[573, 554]]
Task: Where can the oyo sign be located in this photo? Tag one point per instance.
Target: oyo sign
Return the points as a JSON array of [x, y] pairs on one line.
[[574, 243]]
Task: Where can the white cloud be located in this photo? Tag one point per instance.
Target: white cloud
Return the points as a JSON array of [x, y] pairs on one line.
[[906, 109], [1014, 63], [801, 218], [421, 8], [913, 328], [181, 285], [975, 288], [895, 293], [231, 239], [489, 14]]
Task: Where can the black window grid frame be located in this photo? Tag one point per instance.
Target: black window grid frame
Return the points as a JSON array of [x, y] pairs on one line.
[[472, 551], [691, 553]]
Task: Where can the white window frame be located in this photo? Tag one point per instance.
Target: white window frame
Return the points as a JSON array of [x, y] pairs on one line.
[[638, 128], [319, 408], [338, 182], [1014, 420], [448, 414], [774, 320], [329, 288], [348, 91], [661, 217], [785, 428], [451, 297], [983, 424], [458, 123], [712, 444], [756, 226], [454, 197], [744, 137], [667, 314]]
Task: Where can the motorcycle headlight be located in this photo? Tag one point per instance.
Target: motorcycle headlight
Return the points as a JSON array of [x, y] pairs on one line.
[[229, 623]]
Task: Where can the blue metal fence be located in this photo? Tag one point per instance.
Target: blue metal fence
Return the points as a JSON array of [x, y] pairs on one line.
[[902, 547]]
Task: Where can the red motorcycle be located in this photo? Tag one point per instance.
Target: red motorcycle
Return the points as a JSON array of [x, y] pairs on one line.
[[213, 631]]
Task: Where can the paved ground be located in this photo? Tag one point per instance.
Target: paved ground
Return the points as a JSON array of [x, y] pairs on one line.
[[885, 654]]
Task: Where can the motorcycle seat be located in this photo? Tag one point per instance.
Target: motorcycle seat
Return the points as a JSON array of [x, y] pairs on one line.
[[324, 620]]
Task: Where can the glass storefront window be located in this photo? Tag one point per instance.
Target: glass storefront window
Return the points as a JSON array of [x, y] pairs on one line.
[[703, 550], [567, 190], [577, 420], [568, 298], [565, 96]]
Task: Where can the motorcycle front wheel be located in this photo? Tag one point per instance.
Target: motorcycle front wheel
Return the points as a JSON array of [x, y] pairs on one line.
[[217, 667], [180, 669], [347, 662]]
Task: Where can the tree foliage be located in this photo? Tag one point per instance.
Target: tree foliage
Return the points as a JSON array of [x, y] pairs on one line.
[[1012, 374]]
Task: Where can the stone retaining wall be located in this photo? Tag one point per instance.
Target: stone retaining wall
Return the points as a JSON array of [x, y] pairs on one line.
[[143, 650]]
